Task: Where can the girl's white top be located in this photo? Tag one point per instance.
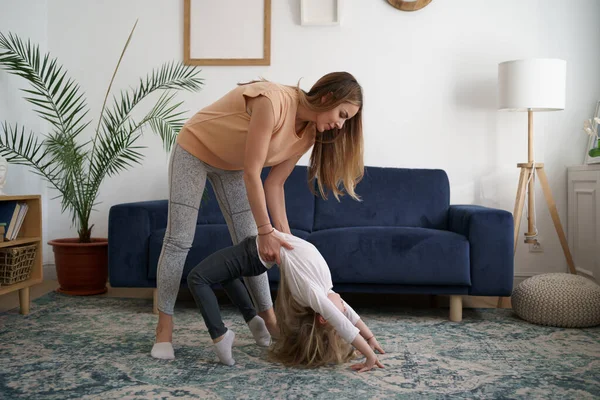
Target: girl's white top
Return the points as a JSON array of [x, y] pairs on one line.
[[309, 280]]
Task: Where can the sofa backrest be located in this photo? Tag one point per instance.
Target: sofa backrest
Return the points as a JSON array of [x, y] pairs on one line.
[[300, 203], [390, 197], [209, 212]]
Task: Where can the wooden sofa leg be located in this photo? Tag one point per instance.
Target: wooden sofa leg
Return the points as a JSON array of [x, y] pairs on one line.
[[504, 302], [155, 301], [500, 302], [456, 308]]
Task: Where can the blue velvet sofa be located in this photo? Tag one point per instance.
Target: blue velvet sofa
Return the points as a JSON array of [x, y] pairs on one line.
[[403, 237]]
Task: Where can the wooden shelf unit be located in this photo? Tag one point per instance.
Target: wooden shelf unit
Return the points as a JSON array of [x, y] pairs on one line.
[[31, 232]]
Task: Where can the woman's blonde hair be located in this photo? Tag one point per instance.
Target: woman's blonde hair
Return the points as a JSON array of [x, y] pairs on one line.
[[303, 341], [337, 156]]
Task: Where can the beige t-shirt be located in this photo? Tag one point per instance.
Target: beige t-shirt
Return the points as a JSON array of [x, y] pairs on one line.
[[217, 133]]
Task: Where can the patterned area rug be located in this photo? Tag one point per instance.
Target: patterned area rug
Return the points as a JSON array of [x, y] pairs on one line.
[[99, 348]]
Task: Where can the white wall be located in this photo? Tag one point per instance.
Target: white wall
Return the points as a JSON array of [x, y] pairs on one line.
[[29, 20], [429, 79]]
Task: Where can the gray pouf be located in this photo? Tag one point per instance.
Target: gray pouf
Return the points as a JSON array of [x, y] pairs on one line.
[[558, 299]]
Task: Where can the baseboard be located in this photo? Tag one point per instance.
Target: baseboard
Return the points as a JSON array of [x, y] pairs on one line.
[[521, 276], [586, 273], [49, 271]]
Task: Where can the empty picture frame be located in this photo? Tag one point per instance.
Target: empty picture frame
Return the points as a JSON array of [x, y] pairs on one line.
[[320, 12], [227, 32]]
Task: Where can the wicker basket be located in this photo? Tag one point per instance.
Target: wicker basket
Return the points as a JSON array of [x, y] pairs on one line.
[[16, 263]]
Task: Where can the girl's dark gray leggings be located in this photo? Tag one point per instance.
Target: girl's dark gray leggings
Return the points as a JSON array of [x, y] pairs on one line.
[[225, 267], [187, 179]]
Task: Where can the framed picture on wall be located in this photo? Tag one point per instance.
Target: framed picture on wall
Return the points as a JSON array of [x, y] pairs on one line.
[[592, 141], [227, 32], [320, 12]]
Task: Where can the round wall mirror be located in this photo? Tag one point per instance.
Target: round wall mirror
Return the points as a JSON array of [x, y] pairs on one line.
[[409, 5]]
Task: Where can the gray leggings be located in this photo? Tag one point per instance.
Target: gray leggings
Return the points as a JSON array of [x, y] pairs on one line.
[[187, 180]]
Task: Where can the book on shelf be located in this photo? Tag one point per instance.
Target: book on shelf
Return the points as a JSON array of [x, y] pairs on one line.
[[12, 213], [20, 219]]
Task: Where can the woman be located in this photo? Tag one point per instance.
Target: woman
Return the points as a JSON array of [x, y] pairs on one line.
[[229, 142]]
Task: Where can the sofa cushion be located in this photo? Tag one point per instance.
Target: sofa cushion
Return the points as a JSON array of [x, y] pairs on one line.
[[208, 239], [409, 256], [210, 212], [390, 197]]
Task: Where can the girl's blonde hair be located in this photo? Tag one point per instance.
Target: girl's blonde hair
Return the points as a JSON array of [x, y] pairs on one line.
[[337, 156], [303, 341]]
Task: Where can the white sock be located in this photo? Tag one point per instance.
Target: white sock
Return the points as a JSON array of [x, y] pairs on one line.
[[163, 350], [223, 348], [259, 331]]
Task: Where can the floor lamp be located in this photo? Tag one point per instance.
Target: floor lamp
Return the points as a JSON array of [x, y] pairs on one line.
[[533, 85]]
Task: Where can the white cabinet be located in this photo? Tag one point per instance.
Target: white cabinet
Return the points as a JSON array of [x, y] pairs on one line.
[[583, 218]]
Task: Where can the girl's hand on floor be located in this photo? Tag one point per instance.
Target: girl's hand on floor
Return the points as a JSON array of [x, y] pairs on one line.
[[375, 345], [369, 364]]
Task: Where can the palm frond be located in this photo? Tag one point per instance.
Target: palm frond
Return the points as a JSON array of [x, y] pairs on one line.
[[168, 76], [165, 120], [68, 166], [115, 153], [71, 157], [109, 153], [167, 131], [108, 156], [56, 98], [18, 147]]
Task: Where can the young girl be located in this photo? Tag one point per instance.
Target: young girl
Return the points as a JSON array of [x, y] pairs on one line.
[[316, 325]]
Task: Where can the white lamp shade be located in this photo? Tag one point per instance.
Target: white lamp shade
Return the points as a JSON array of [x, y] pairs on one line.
[[534, 84]]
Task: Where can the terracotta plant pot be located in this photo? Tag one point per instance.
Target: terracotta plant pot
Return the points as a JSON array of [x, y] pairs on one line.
[[81, 268]]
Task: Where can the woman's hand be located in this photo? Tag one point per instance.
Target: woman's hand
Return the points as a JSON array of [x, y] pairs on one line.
[[269, 247], [375, 345], [369, 364]]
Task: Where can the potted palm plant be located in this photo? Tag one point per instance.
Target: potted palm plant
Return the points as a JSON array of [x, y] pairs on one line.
[[76, 167]]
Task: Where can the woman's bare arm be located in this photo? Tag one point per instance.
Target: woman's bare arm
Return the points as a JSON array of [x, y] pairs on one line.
[[275, 193]]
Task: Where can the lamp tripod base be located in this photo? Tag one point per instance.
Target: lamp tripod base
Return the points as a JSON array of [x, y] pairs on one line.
[[526, 171]]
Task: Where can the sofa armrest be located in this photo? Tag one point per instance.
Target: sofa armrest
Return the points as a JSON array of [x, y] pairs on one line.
[[129, 229], [490, 234]]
